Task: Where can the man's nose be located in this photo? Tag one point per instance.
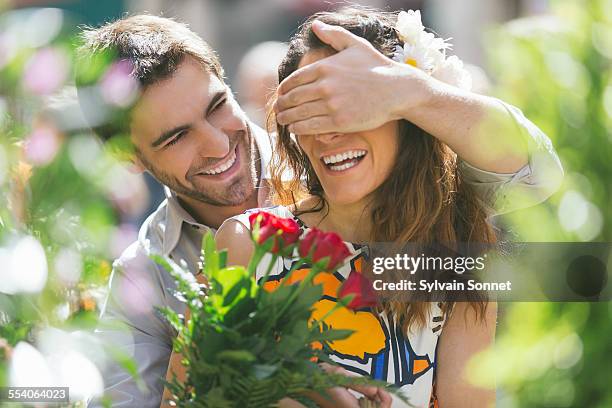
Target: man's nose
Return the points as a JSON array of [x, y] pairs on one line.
[[213, 142], [328, 137]]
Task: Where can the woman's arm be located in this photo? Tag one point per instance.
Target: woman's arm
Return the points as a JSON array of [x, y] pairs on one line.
[[463, 337]]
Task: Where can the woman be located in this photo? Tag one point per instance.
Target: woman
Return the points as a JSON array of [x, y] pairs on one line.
[[397, 184]]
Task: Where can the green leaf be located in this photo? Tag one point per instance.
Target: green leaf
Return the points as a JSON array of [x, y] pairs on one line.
[[263, 371], [236, 292], [236, 356], [223, 292], [331, 335], [223, 258], [210, 255], [241, 311]]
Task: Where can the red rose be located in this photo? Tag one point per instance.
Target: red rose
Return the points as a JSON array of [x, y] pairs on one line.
[[318, 245], [361, 287], [284, 232]]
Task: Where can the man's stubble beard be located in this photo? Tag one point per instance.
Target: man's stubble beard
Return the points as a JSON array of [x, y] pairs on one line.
[[237, 193]]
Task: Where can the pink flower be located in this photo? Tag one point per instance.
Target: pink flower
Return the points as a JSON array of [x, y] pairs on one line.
[[41, 146], [45, 71], [118, 86]]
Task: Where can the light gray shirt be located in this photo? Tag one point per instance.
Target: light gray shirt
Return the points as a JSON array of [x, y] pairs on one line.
[[138, 286]]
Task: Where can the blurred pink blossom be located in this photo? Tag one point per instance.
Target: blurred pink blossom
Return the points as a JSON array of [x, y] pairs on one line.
[[124, 235], [45, 71], [41, 146], [137, 293], [117, 86]]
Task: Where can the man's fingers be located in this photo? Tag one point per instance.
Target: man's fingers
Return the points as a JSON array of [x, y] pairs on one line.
[[336, 37], [302, 76], [295, 97], [301, 112], [312, 126]]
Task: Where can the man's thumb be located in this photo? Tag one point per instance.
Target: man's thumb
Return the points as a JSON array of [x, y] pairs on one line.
[[336, 37]]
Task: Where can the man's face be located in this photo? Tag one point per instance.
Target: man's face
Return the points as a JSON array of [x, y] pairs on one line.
[[193, 137]]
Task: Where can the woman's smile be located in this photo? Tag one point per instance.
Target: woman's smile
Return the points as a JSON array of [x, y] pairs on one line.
[[341, 162]]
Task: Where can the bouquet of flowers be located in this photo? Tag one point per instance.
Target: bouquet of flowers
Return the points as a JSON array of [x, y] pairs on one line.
[[250, 347]]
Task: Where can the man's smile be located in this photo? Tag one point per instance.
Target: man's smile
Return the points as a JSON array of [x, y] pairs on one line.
[[224, 169]]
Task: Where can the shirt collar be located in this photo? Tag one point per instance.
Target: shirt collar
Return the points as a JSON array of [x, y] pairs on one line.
[[176, 215]]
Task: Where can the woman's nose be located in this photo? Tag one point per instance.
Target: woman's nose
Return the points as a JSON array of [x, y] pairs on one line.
[[328, 137]]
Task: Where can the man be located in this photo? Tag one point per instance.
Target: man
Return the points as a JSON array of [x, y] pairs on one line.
[[187, 130]]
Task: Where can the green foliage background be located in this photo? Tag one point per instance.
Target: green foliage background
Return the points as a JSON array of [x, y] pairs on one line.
[[557, 69]]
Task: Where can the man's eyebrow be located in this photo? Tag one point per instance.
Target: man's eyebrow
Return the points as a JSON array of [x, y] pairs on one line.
[[168, 134]]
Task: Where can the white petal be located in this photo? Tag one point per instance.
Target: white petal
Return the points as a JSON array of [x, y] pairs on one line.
[[409, 26], [453, 73]]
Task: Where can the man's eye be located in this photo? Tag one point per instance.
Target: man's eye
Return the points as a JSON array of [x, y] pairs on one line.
[[175, 139], [219, 105]]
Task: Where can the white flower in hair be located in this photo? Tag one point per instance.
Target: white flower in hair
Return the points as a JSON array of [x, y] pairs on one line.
[[453, 73], [427, 52], [417, 56], [429, 40], [409, 26]]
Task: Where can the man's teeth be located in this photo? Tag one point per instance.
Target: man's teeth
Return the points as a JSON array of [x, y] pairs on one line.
[[352, 154], [223, 167]]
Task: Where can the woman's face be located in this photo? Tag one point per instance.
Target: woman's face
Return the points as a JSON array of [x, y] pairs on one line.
[[350, 166]]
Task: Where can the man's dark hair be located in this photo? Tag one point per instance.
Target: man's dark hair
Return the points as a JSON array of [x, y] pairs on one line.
[[153, 46]]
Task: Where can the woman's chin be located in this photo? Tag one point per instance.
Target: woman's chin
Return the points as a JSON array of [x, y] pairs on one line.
[[345, 198]]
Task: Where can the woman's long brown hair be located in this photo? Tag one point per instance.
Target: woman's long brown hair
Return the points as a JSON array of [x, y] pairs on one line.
[[424, 199]]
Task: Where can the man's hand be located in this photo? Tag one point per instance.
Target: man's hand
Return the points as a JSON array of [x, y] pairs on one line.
[[353, 90]]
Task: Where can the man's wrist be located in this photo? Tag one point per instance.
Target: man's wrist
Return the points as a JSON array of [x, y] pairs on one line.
[[416, 91]]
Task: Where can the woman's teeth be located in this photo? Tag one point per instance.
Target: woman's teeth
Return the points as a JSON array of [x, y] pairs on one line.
[[352, 154], [223, 167], [344, 166], [343, 161]]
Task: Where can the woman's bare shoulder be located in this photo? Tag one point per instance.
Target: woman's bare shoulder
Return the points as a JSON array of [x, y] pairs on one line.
[[235, 237]]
